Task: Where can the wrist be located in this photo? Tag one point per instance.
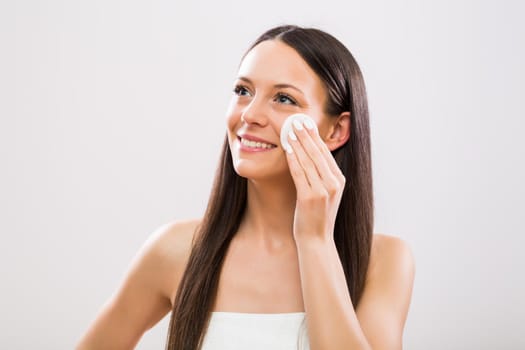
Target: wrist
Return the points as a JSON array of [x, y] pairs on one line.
[[314, 242]]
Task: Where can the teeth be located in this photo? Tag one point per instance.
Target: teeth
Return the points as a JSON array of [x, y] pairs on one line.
[[254, 144]]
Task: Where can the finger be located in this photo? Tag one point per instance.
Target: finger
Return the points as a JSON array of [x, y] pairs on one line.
[[319, 160], [325, 151], [296, 170], [310, 169]]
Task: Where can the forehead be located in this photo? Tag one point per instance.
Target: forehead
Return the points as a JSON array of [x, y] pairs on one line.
[[274, 62]]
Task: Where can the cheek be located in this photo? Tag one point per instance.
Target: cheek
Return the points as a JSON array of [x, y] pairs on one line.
[[278, 125], [233, 117]]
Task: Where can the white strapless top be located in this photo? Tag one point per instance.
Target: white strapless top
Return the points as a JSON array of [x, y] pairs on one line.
[[249, 331]]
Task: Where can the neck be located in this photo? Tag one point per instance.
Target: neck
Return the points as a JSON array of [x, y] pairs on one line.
[[269, 213]]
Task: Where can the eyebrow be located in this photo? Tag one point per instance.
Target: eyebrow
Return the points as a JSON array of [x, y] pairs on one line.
[[279, 86]]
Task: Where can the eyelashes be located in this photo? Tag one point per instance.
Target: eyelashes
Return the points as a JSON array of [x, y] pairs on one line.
[[280, 97], [241, 90], [285, 99]]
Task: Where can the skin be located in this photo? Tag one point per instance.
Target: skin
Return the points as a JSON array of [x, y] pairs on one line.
[[283, 258]]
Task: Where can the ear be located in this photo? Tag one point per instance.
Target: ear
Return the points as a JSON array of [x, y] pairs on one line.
[[338, 132]]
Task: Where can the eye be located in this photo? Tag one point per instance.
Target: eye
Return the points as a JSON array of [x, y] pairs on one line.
[[285, 99], [241, 90]]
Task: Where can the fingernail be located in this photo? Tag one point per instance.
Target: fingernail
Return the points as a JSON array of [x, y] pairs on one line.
[[297, 125], [309, 124], [289, 149], [292, 136]]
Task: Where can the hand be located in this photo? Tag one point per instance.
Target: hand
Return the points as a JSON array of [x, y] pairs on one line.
[[319, 183]]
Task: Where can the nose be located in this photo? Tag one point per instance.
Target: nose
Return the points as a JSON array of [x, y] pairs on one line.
[[255, 113]]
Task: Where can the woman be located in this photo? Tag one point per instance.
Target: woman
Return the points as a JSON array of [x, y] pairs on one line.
[[286, 241]]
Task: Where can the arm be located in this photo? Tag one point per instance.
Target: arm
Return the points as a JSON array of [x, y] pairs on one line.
[[332, 321], [379, 319], [144, 296], [383, 308]]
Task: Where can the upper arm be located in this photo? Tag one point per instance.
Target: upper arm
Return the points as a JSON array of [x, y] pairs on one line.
[[384, 305], [143, 297]]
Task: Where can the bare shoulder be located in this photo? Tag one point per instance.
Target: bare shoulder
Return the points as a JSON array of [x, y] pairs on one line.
[[391, 271], [162, 259], [150, 282], [174, 239], [383, 308], [390, 253], [170, 245]]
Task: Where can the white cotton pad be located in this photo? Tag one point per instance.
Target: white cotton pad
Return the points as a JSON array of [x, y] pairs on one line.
[[287, 127]]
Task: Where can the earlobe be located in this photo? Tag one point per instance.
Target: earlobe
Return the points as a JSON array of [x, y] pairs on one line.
[[339, 132]]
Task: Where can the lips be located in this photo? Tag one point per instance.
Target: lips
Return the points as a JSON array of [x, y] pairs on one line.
[[255, 143]]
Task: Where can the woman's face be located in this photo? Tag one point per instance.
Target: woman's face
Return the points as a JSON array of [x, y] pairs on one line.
[[273, 82]]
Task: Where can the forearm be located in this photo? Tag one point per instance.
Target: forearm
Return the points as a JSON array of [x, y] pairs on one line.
[[331, 318]]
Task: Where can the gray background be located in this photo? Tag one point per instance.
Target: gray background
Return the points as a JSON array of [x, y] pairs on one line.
[[112, 116]]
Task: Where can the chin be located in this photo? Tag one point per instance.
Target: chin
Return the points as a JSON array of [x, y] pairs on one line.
[[253, 170]]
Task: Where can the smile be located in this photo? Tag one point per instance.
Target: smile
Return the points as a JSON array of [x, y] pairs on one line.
[[255, 144]]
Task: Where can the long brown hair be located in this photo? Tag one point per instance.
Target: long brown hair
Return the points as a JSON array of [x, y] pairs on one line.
[[336, 67]]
